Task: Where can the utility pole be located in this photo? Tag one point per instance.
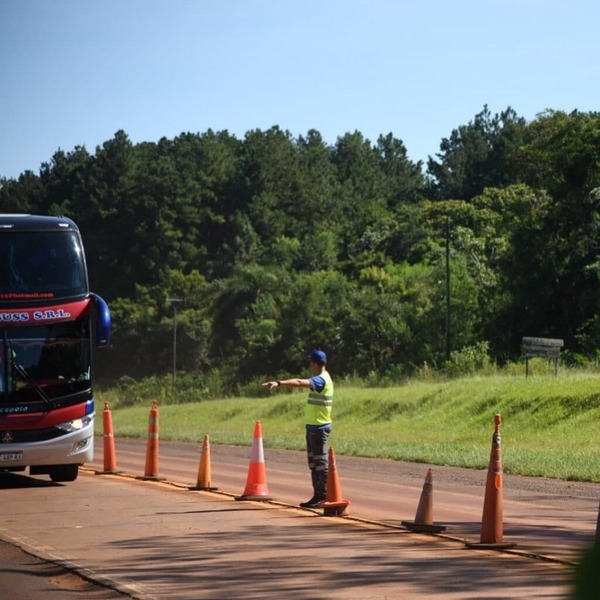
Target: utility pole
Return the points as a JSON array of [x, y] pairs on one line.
[[174, 302], [447, 288]]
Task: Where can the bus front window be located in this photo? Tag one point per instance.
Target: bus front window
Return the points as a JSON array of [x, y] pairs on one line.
[[41, 265], [49, 362], [2, 369]]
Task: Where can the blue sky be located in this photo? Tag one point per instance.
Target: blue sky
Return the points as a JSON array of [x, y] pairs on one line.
[[73, 72]]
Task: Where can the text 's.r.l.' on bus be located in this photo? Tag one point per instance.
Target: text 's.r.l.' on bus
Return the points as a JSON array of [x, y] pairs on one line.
[[49, 322]]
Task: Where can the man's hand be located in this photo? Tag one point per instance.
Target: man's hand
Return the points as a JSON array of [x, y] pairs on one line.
[[271, 384]]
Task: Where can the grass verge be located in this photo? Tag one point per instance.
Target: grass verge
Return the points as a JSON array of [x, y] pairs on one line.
[[550, 425]]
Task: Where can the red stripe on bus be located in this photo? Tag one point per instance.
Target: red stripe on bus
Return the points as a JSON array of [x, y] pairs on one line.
[[41, 420], [45, 314]]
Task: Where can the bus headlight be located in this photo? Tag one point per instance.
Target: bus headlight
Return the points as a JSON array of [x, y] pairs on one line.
[[74, 425]]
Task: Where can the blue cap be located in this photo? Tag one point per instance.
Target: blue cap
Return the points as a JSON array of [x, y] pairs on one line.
[[317, 356]]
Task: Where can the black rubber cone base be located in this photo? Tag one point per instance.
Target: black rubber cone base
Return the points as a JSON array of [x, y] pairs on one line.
[[491, 546], [423, 527]]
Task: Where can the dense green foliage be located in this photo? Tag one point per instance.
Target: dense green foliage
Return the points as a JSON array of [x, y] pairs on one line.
[[276, 245]]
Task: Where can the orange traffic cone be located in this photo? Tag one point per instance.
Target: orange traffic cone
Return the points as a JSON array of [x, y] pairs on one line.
[[110, 458], [334, 505], [491, 522], [424, 517], [151, 467], [203, 479], [256, 483]]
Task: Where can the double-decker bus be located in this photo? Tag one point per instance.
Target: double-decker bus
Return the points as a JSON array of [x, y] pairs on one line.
[[49, 322]]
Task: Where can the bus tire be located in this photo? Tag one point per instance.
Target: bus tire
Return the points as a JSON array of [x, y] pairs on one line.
[[63, 472]]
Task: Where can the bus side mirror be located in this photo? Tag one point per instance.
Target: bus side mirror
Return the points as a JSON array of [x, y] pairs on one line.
[[102, 321]]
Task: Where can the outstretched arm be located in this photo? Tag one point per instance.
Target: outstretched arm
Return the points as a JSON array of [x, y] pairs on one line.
[[287, 383]]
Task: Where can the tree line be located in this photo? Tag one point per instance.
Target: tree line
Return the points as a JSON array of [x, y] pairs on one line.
[[268, 246]]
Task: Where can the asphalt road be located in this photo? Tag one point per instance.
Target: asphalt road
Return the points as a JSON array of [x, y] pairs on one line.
[[542, 516], [25, 576], [160, 540]]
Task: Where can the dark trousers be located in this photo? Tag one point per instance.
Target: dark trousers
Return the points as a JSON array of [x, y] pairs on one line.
[[318, 459]]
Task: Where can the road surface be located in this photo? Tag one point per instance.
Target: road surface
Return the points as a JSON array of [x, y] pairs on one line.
[[161, 540]]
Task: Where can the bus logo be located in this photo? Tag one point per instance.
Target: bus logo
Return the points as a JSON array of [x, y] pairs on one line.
[[7, 438]]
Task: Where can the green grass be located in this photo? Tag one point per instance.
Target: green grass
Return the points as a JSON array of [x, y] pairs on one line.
[[550, 425]]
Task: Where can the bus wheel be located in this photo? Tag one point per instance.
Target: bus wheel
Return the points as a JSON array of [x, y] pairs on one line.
[[64, 472]]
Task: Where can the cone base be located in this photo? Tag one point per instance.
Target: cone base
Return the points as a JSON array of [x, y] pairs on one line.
[[335, 509], [423, 527], [150, 478], [107, 472], [203, 488], [490, 546], [254, 498]]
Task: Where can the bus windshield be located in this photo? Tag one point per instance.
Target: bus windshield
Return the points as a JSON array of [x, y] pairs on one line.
[[48, 364], [41, 265]]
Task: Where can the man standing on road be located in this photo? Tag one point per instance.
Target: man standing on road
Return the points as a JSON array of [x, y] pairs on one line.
[[317, 414]]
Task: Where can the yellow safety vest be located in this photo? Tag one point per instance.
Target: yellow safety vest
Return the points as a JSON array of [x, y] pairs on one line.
[[317, 410]]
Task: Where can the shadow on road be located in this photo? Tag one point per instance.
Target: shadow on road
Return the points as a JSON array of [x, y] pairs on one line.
[[17, 480]]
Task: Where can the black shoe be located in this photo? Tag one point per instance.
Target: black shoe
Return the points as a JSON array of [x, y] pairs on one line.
[[314, 502]]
